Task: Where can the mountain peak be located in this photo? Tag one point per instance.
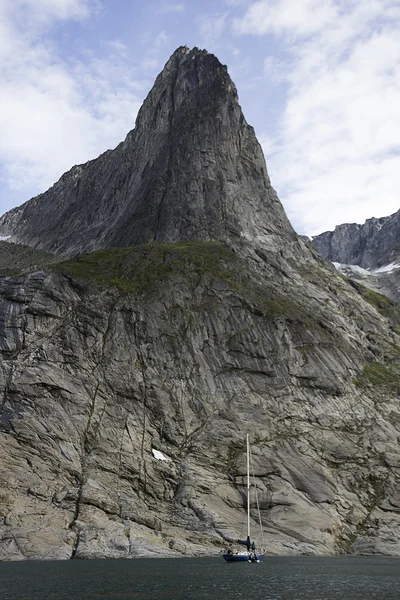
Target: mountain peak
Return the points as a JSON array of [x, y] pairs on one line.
[[189, 78], [191, 169], [370, 246]]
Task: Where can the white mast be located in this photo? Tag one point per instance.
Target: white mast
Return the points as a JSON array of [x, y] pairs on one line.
[[248, 486]]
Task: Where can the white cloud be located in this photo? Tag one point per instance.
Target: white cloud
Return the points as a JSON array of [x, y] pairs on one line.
[[211, 27], [269, 145], [335, 151], [35, 13], [286, 16], [171, 8], [160, 41], [275, 70], [118, 46], [151, 62], [54, 114]]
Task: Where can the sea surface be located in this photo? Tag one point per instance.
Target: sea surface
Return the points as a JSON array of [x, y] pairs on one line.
[[285, 578]]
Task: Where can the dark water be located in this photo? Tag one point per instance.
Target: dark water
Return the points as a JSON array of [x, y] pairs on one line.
[[294, 578]]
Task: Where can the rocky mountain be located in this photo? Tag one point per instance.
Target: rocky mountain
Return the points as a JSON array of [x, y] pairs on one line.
[[191, 169], [131, 375], [369, 253], [370, 246]]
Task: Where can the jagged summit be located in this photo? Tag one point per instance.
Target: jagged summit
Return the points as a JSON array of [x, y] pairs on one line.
[[191, 169], [372, 245]]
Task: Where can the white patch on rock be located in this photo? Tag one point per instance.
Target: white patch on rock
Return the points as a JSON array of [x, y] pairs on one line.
[[4, 238], [159, 455], [360, 272], [348, 269], [387, 268]]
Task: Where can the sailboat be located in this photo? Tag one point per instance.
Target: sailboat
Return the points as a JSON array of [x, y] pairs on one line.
[[250, 554]]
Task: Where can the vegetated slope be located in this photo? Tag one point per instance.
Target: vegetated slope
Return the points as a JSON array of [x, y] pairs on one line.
[[185, 348], [16, 258]]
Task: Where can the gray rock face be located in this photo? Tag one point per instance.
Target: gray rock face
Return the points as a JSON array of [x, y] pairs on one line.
[[191, 169], [186, 361], [372, 245], [183, 348]]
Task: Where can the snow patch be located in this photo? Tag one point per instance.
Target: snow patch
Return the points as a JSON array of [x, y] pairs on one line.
[[159, 455], [4, 238], [348, 269], [360, 272], [387, 268]]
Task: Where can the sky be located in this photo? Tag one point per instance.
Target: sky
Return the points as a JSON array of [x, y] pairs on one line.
[[319, 80]]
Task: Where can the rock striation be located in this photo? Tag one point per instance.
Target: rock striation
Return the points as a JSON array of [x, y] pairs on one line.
[[183, 349], [191, 169], [368, 253], [212, 319]]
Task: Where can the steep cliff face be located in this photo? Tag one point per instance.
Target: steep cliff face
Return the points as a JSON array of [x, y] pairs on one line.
[[370, 246], [182, 348], [191, 169], [187, 349], [373, 249]]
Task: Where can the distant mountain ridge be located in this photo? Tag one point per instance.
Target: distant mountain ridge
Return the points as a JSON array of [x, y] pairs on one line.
[[374, 244]]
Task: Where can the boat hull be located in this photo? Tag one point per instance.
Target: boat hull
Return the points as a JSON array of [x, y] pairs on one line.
[[243, 557]]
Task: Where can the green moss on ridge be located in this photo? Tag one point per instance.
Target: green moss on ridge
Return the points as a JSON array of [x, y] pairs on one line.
[[133, 269], [379, 374]]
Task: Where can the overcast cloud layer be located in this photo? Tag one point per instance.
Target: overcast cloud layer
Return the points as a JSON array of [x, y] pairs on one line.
[[319, 80]]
